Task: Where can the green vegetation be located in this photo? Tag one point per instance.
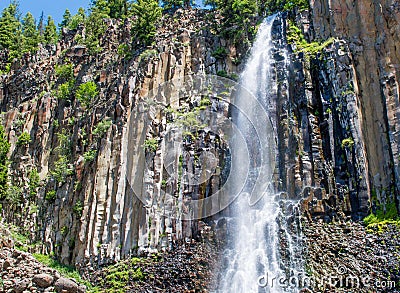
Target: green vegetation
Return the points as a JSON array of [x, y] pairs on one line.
[[65, 90], [78, 208], [64, 270], [125, 51], [34, 181], [238, 18], [347, 142], [66, 19], [86, 93], [50, 195], [11, 32], [220, 53], [147, 54], [4, 149], [383, 217], [273, 6], [74, 21], [50, 32], [118, 276], [89, 156], [148, 13], [296, 37], [150, 145], [30, 35], [24, 139], [64, 71], [14, 195], [62, 169], [101, 128]]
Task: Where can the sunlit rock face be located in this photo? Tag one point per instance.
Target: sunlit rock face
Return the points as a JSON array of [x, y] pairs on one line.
[[334, 118]]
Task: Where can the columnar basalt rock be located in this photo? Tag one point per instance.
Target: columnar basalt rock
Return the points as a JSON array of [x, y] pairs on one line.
[[92, 214]]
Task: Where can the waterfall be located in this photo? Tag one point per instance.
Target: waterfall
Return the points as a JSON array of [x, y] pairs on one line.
[[252, 259]]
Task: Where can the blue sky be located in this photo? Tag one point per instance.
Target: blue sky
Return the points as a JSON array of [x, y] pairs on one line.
[[55, 8]]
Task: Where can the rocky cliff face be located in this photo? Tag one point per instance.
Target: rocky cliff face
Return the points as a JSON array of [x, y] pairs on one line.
[[104, 173], [337, 112], [105, 180]]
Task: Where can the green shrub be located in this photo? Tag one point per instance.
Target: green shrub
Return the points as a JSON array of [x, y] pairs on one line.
[[50, 195], [89, 156], [86, 93], [147, 54], [295, 36], [347, 142], [64, 71], [219, 53], [78, 208], [14, 195], [148, 13], [101, 128], [65, 89], [150, 144], [24, 139], [64, 143], [4, 149], [125, 51], [62, 169], [34, 181]]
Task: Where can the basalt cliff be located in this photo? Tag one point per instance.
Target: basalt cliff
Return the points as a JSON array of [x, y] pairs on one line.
[[89, 185]]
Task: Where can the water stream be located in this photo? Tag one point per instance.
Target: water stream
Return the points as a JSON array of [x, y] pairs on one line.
[[253, 261]]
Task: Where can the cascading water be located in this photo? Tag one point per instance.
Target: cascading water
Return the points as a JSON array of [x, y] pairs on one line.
[[256, 225]]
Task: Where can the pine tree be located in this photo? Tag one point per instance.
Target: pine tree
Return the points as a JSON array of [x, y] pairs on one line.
[[66, 19], [30, 34], [40, 28], [148, 13], [50, 32], [172, 4], [119, 9], [77, 19], [10, 31]]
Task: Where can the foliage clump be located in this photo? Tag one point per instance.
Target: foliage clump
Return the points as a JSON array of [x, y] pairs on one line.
[[101, 128], [24, 139], [296, 37], [86, 93]]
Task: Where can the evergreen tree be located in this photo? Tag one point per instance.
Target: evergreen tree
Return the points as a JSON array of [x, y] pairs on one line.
[[41, 27], [77, 19], [148, 13], [95, 25], [66, 19], [119, 9], [10, 31], [30, 34], [172, 4], [50, 32]]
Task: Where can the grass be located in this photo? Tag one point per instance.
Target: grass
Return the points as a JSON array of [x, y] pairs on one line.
[[64, 270], [119, 276], [379, 220]]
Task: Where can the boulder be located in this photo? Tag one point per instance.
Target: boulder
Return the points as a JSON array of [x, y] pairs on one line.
[[43, 280], [64, 285]]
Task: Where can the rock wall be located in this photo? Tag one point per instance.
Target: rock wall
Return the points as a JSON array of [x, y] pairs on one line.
[[337, 113], [103, 207]]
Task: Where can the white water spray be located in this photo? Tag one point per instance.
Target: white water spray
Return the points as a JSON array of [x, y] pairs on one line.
[[255, 248]]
